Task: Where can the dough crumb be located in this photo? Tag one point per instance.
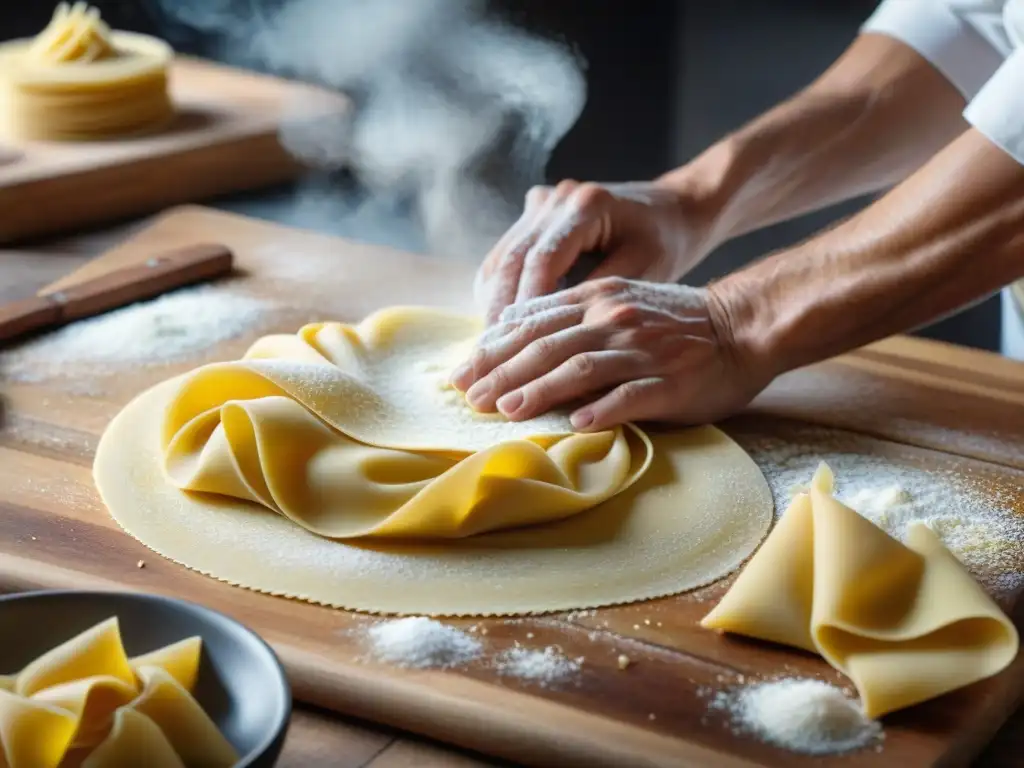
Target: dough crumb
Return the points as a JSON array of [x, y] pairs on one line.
[[624, 661], [140, 564], [529, 635], [801, 715], [420, 642]]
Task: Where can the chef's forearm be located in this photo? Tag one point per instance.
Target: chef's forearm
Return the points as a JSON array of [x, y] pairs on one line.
[[948, 236], [868, 122]]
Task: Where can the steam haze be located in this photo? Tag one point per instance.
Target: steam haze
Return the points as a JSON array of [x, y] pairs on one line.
[[455, 114]]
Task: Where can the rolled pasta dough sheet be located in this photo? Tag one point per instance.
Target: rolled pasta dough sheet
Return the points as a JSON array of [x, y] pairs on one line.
[[85, 702], [698, 510]]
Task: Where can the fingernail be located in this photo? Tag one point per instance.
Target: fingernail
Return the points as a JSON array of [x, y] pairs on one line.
[[478, 392], [510, 403], [581, 419], [462, 375]]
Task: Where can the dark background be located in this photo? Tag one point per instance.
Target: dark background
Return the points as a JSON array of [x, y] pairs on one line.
[[665, 79]]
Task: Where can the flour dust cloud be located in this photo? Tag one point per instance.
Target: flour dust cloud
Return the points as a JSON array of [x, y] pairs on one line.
[[455, 112]]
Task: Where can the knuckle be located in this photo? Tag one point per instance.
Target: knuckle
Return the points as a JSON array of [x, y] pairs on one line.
[[582, 366], [610, 286], [508, 317], [537, 394], [509, 261], [566, 187], [531, 328], [628, 391], [505, 327], [478, 361], [589, 196], [625, 314], [537, 194], [540, 305], [542, 349], [499, 376], [540, 258]]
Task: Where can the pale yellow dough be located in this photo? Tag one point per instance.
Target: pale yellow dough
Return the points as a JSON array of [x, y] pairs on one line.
[[87, 699], [905, 623], [349, 432], [242, 470], [78, 80]]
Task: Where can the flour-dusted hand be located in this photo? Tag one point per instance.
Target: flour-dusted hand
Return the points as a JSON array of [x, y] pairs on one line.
[[647, 230], [632, 350]]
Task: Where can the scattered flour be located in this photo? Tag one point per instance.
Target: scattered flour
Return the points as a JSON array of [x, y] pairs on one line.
[[420, 642], [545, 667], [801, 715], [976, 521], [169, 328], [584, 614], [281, 262]]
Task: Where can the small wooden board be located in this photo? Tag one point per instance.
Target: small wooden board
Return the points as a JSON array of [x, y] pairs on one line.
[[224, 140], [54, 532]]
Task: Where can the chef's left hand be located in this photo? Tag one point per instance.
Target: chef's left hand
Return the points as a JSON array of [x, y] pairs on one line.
[[631, 350]]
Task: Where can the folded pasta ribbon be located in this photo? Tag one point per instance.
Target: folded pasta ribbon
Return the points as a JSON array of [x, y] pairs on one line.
[[350, 431], [87, 699], [905, 623], [75, 34]]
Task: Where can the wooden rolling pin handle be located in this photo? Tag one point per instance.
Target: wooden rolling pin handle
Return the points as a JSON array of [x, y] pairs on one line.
[[21, 317], [158, 275]]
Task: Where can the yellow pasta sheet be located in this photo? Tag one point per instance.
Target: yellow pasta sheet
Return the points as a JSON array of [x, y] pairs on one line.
[[906, 623], [351, 432], [87, 699]]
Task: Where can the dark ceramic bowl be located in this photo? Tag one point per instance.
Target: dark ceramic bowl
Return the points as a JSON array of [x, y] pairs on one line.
[[241, 684]]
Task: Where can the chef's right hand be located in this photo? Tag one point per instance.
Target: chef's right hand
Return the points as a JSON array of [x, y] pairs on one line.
[[646, 230]]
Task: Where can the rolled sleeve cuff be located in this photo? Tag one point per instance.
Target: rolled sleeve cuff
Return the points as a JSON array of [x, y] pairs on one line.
[[945, 39], [998, 110]]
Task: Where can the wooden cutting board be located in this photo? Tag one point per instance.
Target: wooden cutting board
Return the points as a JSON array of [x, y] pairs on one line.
[[224, 140], [54, 532]]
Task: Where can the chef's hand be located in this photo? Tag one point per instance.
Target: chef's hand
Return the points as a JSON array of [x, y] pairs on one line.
[[647, 230], [631, 350]]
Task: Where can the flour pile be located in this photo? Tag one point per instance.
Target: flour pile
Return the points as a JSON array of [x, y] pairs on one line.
[[419, 642], [801, 715]]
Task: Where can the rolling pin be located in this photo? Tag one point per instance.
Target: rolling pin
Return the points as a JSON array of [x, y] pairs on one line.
[[118, 288]]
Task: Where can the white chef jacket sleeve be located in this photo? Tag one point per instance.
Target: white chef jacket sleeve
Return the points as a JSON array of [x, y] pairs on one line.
[[947, 40], [998, 110]]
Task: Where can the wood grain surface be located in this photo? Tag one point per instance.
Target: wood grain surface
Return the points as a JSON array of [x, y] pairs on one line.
[[225, 139], [54, 532]]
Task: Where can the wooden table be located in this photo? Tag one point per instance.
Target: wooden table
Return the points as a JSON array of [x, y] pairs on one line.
[[318, 737]]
